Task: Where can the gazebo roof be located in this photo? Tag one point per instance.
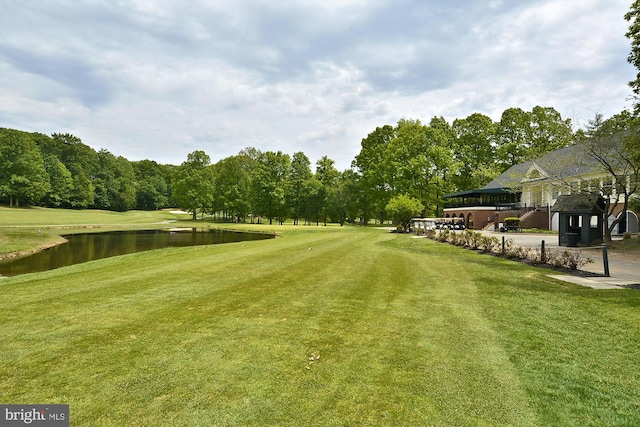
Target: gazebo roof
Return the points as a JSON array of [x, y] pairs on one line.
[[579, 203]]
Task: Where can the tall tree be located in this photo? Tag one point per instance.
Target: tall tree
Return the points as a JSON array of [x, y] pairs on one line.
[[549, 132], [23, 177], [61, 181], [192, 183], [268, 185], [418, 161], [153, 184], [232, 185], [370, 164], [300, 174], [328, 176], [114, 183], [80, 160], [344, 199], [513, 137], [634, 56], [474, 152]]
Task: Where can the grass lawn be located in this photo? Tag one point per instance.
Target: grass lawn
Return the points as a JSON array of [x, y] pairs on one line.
[[323, 326]]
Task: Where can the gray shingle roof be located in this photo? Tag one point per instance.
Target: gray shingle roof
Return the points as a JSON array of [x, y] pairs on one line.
[[559, 164]]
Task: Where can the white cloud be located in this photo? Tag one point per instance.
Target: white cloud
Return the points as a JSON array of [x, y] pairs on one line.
[[159, 79]]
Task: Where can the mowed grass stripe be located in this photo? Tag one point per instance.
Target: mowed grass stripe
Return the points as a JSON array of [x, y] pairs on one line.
[[408, 332]]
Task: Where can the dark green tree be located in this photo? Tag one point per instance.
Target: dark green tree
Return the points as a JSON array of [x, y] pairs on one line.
[[513, 137], [474, 152], [114, 183], [152, 184], [61, 181], [296, 187], [81, 161], [328, 176], [23, 177]]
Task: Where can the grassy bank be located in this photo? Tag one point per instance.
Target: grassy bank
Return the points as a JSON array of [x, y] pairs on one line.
[[23, 230], [322, 326]]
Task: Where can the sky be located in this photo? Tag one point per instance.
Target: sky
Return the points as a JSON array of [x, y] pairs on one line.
[[159, 79]]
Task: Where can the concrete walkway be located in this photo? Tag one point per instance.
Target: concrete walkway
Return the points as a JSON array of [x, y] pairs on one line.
[[623, 270]]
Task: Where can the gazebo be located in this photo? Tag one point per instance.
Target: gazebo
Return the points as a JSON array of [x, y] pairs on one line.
[[581, 219]]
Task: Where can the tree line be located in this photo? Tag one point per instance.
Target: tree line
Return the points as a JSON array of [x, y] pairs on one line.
[[408, 163]]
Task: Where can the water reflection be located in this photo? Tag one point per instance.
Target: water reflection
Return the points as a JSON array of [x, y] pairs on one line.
[[87, 247]]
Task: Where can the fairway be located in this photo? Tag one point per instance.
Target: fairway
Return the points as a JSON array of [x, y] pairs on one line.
[[327, 326]]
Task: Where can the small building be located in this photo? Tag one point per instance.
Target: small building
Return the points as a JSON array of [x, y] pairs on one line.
[[580, 219]]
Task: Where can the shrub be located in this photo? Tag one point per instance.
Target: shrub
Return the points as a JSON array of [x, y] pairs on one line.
[[443, 235], [512, 222], [566, 259], [475, 240], [489, 244]]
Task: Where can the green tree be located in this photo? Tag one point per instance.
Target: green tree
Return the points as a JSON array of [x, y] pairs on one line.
[[151, 193], [268, 185], [61, 181], [192, 183], [152, 184], [418, 161], [81, 161], [474, 152], [370, 165], [296, 188], [402, 208], [315, 198], [114, 183], [344, 198], [513, 137], [549, 132], [328, 176], [23, 177], [232, 185], [634, 56]]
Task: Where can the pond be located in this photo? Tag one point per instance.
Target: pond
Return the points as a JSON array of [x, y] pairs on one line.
[[88, 247]]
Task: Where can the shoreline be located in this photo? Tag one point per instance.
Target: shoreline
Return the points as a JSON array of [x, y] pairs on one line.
[[26, 252]]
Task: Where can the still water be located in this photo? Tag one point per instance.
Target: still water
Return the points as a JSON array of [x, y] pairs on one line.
[[88, 247]]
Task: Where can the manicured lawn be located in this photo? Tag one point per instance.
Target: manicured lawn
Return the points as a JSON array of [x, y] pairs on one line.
[[46, 217], [322, 326]]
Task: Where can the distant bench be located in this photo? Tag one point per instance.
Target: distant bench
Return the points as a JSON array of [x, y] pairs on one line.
[[514, 228]]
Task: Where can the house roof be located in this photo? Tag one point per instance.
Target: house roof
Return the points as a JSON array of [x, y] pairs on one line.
[[559, 164]]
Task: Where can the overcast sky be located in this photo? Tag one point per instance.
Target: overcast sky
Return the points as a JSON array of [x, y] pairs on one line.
[[158, 79]]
